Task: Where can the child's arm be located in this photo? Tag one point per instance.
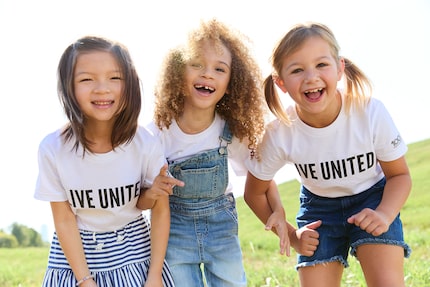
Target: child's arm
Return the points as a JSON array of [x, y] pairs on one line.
[[162, 186], [70, 241], [160, 228], [263, 199], [255, 197], [304, 240], [396, 192]]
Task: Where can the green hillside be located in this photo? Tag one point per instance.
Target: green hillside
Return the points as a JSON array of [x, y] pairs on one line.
[[265, 267]]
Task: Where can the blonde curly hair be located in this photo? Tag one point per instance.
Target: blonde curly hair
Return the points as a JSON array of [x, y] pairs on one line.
[[243, 108]]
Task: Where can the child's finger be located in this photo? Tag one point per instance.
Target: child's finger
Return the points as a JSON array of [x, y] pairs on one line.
[[163, 170], [314, 225], [173, 181], [177, 182], [285, 244]]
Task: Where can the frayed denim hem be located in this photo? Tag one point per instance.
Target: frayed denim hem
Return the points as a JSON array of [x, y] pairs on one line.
[[325, 261], [353, 252]]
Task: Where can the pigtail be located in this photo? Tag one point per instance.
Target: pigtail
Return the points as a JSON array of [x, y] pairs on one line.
[[273, 101], [358, 88]]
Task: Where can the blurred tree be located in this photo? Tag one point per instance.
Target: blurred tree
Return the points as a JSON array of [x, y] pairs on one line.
[[7, 240], [26, 236]]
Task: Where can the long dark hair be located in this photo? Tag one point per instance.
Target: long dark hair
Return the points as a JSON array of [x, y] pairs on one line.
[[127, 119]]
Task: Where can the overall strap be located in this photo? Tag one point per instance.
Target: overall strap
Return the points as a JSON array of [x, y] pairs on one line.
[[226, 135]]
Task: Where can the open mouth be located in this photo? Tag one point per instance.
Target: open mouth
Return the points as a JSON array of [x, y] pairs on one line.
[[204, 89], [314, 94]]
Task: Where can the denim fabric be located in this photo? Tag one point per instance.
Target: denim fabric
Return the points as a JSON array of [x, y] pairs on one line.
[[205, 175], [204, 227], [337, 236]]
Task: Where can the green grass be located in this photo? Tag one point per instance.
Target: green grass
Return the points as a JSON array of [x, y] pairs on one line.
[[24, 267]]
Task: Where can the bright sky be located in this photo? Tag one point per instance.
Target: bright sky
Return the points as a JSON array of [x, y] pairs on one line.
[[388, 40]]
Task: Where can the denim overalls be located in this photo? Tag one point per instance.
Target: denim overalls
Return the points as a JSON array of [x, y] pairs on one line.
[[204, 227]]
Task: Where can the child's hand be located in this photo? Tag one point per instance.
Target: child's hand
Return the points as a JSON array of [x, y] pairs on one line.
[[305, 240], [371, 221], [163, 184], [278, 224]]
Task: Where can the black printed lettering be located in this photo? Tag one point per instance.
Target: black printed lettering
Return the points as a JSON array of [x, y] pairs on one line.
[[370, 157], [118, 196], [80, 195], [307, 168], [137, 189], [113, 193], [325, 171], [351, 164], [337, 169], [360, 162], [103, 198], [89, 198]]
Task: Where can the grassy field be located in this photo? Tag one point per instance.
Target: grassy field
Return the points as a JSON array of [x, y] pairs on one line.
[[264, 266], [22, 267]]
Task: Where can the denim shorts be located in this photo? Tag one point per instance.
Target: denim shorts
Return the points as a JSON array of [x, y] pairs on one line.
[[337, 236]]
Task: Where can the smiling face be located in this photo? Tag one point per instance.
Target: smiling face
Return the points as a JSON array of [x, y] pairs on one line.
[[310, 77], [207, 77], [98, 86]]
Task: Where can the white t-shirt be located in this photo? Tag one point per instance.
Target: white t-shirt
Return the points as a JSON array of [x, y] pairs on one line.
[[102, 189], [338, 160], [179, 145]]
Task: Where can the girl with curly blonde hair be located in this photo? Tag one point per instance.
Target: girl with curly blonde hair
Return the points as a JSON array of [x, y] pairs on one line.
[[209, 112]]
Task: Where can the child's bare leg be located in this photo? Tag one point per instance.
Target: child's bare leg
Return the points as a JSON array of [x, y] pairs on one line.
[[321, 275], [382, 264]]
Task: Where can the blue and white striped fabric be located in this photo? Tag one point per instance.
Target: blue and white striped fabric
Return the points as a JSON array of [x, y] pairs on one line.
[[115, 259]]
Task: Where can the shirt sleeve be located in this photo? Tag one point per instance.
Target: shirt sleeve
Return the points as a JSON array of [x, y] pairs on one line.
[[155, 159], [48, 184], [389, 145], [238, 154], [272, 155]]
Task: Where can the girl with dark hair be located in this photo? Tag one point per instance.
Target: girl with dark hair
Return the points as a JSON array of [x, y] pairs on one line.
[[94, 170]]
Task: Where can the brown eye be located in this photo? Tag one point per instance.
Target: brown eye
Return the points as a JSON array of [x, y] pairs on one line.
[[295, 71], [196, 65]]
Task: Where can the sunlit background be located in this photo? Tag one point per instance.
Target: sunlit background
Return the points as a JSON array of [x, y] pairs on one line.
[[389, 40]]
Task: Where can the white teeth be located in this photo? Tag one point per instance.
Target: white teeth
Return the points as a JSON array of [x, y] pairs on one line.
[[314, 91], [204, 87], [102, 103]]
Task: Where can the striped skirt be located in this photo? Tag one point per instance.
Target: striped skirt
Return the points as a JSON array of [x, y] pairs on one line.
[[115, 259]]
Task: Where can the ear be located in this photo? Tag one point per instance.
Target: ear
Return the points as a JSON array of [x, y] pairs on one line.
[[341, 68], [279, 82]]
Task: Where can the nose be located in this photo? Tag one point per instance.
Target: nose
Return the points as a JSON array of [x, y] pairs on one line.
[[206, 72], [310, 75], [102, 87]]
